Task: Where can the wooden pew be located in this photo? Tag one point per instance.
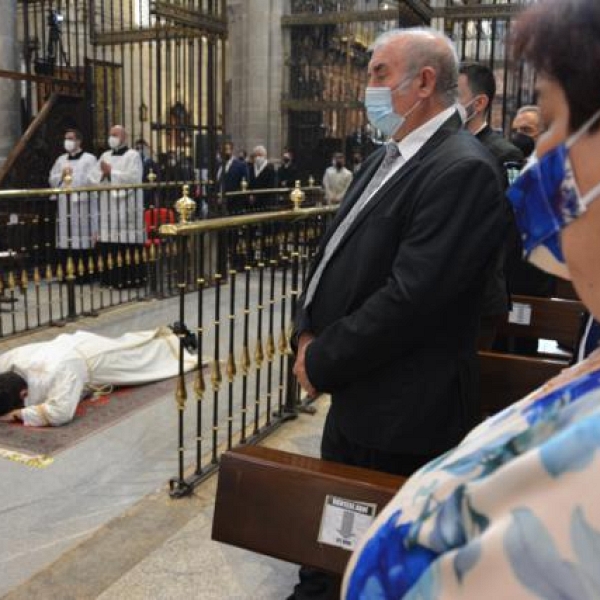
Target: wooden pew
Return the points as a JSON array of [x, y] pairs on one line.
[[272, 502], [506, 378], [544, 318]]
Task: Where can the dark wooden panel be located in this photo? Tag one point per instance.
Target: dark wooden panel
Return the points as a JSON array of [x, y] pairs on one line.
[[551, 319], [506, 378], [271, 502]]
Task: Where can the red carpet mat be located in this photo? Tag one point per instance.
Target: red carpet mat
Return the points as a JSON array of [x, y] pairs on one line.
[[92, 415]]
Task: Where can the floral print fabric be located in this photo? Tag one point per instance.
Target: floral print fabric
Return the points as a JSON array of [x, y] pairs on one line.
[[512, 512]]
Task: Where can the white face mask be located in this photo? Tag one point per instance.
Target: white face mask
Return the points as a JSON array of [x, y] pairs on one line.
[[70, 146], [260, 161], [113, 142]]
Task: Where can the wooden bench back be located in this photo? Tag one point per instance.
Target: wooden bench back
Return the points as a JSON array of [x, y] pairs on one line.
[[547, 318], [506, 378], [271, 502]]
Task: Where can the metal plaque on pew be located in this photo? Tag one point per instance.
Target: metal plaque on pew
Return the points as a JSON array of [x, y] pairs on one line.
[[344, 522], [520, 314]]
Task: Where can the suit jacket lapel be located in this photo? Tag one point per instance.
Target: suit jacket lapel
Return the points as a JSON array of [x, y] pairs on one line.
[[450, 126]]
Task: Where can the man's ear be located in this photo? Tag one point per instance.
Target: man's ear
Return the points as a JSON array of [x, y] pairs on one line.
[[482, 103], [428, 78], [23, 393]]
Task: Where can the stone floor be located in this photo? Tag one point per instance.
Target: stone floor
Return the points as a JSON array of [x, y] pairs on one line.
[[98, 521]]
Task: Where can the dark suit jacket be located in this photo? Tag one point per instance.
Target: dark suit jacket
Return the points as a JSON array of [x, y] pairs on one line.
[[500, 147], [265, 179], [231, 180], [496, 295], [396, 311]]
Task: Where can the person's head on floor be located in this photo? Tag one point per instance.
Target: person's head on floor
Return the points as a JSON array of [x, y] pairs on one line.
[[568, 86], [13, 390], [412, 77]]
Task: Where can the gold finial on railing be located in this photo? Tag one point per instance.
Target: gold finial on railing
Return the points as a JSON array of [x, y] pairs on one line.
[[60, 272], [70, 269], [199, 385], [181, 392], [215, 376], [24, 280], [90, 265], [80, 267], [258, 354], [282, 344], [270, 348], [244, 185], [231, 369], [297, 196], [68, 179], [311, 181], [151, 176], [49, 275], [185, 206], [11, 281], [245, 361], [37, 278]]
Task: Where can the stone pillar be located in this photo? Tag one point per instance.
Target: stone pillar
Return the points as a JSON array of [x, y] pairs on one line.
[[10, 115], [255, 71]]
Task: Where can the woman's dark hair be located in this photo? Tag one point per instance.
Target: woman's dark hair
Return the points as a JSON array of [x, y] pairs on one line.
[[561, 40], [11, 386]]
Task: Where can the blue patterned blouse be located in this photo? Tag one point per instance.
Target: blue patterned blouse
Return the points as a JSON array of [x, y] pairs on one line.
[[512, 512]]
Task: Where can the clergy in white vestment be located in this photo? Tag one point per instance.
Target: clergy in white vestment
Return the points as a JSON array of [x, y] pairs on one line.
[[50, 378], [77, 212], [121, 210]]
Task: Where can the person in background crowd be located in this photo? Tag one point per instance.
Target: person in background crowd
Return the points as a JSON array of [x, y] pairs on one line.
[[287, 175], [476, 92], [336, 180], [261, 177], [512, 512], [149, 166], [230, 175], [357, 161], [121, 210], [77, 213], [388, 319], [526, 128]]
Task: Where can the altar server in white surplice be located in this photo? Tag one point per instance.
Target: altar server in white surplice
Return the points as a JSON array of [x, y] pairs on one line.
[[77, 212], [121, 211], [50, 378]]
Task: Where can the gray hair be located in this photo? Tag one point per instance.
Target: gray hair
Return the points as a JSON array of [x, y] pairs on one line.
[[260, 150], [530, 108], [422, 53]]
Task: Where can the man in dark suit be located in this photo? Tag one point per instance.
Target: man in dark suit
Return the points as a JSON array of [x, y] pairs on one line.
[[230, 175], [476, 92], [388, 321]]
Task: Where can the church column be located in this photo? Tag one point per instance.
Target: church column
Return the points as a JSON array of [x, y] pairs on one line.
[[10, 117]]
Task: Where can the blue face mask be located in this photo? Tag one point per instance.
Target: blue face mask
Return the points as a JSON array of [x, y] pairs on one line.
[[380, 110], [545, 199]]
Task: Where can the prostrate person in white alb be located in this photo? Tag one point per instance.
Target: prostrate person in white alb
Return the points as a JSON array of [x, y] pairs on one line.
[[42, 383], [77, 213]]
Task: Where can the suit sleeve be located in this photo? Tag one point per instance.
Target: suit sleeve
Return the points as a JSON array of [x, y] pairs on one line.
[[457, 226]]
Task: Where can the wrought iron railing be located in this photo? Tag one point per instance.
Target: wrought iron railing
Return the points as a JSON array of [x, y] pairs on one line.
[[243, 386], [71, 252]]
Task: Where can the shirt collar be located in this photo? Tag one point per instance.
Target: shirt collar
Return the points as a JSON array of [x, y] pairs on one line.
[[485, 124], [416, 139]]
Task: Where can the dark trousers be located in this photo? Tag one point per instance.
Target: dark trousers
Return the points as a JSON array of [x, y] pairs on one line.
[[317, 585]]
